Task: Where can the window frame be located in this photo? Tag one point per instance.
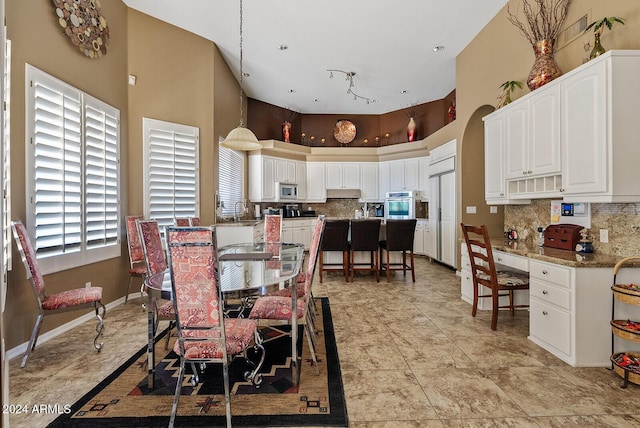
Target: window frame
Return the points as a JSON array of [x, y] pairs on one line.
[[154, 125], [226, 206], [85, 253]]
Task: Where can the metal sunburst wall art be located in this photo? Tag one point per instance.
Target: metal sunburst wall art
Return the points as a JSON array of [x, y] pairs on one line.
[[82, 22]]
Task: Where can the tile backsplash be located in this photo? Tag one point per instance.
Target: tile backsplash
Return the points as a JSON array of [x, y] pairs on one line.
[[343, 208], [621, 220]]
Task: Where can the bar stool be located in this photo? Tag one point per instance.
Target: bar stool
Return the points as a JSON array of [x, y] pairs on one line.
[[399, 237], [335, 238], [365, 237]]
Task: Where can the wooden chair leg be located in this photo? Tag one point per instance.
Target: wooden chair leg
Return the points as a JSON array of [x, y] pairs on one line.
[[375, 257], [351, 265], [345, 265], [494, 309], [413, 272], [404, 263], [388, 267], [474, 308]]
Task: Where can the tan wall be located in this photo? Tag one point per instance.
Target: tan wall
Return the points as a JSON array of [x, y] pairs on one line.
[[174, 72], [37, 39], [499, 53]]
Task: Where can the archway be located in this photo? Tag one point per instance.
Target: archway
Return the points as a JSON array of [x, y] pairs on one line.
[[472, 177]]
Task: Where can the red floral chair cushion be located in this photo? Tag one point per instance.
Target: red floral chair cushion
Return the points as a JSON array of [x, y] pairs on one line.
[[69, 298]]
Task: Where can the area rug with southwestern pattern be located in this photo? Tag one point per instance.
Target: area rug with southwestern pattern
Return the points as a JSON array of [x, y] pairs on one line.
[[123, 399]]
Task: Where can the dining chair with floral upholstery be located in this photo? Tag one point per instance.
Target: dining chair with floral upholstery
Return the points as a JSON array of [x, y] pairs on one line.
[[278, 307], [68, 300], [205, 336], [182, 221], [137, 266], [272, 228], [156, 261]]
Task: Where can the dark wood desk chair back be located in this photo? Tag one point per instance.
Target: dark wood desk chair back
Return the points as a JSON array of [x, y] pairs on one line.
[[399, 237], [365, 236], [484, 273], [335, 238]]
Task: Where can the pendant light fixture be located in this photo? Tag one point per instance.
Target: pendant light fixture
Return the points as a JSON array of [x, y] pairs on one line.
[[241, 138]]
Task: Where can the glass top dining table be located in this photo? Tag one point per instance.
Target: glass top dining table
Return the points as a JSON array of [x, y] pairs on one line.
[[246, 268]]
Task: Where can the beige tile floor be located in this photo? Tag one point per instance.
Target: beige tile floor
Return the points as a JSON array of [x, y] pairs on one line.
[[411, 356]]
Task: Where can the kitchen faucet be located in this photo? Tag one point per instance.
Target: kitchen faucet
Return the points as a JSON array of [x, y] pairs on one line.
[[236, 217]]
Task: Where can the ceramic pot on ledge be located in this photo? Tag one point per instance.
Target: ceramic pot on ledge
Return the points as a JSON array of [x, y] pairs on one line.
[[545, 69]]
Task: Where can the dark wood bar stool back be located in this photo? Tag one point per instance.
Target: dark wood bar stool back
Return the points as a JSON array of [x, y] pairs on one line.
[[399, 237], [335, 238], [365, 236]]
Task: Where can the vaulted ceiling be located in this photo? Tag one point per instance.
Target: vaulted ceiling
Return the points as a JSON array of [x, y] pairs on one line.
[[288, 46]]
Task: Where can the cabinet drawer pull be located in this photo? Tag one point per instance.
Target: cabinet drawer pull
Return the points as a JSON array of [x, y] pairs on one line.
[[544, 272], [545, 292], [545, 313]]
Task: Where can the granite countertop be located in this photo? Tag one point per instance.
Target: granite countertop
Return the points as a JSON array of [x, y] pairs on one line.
[[554, 255], [245, 223]]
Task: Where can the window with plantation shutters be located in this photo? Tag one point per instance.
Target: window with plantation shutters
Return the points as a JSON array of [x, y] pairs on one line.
[[172, 176], [6, 156], [230, 180], [72, 167]]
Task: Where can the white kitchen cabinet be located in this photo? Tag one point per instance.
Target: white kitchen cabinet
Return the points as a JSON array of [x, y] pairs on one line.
[[600, 129], [301, 179], [423, 178], [563, 315], [266, 171], [316, 190], [342, 175], [262, 178], [421, 240], [369, 182], [404, 174], [532, 130], [231, 233], [297, 230], [495, 183], [285, 171], [383, 179]]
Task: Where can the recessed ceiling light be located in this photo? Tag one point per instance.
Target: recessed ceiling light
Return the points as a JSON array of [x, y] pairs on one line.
[[315, 100], [438, 48], [292, 91], [404, 91], [283, 47], [245, 74]]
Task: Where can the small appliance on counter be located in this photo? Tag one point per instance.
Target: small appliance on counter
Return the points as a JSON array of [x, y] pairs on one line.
[[292, 210], [562, 236], [308, 213], [272, 211]]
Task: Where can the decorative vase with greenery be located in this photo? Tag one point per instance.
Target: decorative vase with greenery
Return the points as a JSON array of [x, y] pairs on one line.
[[507, 89], [544, 20], [598, 28]]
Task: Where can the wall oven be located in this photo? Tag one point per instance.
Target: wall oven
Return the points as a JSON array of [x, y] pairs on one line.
[[400, 205], [286, 191]]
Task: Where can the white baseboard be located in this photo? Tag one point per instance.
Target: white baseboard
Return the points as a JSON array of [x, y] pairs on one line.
[[44, 337]]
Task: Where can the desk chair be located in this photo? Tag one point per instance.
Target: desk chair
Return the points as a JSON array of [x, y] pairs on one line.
[[484, 273]]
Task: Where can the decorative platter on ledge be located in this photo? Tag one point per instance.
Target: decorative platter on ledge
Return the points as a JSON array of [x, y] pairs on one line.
[[344, 131]]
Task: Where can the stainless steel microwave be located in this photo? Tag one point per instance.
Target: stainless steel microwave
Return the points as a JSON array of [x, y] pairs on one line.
[[286, 191]]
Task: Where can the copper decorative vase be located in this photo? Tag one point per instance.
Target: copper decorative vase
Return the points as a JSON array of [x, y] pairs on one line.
[[411, 130], [286, 131], [545, 68]]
